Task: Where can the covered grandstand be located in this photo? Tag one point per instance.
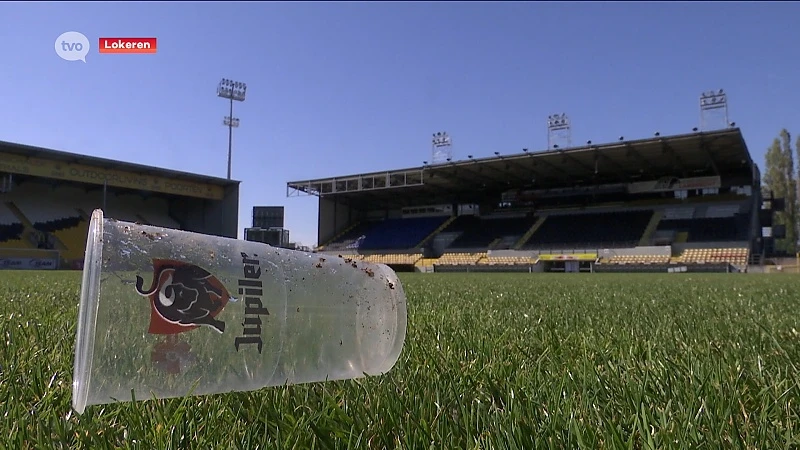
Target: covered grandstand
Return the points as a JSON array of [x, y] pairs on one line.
[[47, 197], [674, 203]]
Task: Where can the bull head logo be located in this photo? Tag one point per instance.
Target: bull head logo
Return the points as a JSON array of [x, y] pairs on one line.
[[183, 297]]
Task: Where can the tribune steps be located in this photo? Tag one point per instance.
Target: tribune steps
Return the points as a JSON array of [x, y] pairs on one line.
[[338, 236], [528, 234], [651, 227], [30, 233], [75, 240], [436, 231], [27, 240]]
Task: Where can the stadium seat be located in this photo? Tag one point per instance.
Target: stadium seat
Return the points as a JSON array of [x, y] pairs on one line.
[[460, 259], [507, 260], [58, 221], [11, 228], [350, 239], [477, 232], [735, 256], [394, 258], [714, 229], [74, 239], [607, 229], [639, 259], [426, 262], [388, 234], [400, 233]]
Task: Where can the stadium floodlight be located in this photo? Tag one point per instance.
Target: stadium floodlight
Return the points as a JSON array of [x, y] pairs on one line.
[[558, 127], [233, 91], [441, 139], [442, 147], [712, 102]]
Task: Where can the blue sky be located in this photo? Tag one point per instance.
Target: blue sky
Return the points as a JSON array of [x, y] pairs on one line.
[[341, 88]]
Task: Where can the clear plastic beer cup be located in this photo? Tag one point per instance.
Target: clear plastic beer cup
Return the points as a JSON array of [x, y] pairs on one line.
[[167, 313]]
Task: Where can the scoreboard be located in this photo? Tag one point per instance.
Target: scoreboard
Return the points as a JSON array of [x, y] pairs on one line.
[[276, 237]]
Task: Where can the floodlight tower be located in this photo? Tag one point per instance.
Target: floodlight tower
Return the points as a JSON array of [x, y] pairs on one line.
[[559, 129], [713, 101], [442, 149], [233, 91]]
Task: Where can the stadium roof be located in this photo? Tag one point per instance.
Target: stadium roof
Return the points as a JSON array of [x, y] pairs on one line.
[[109, 164], [719, 153]]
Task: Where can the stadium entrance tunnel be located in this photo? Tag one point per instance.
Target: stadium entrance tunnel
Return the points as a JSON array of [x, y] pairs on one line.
[[567, 266]]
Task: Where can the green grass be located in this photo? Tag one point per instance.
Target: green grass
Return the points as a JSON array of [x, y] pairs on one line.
[[491, 361]]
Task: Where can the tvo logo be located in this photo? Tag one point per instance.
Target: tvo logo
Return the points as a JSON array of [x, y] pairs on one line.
[[72, 46]]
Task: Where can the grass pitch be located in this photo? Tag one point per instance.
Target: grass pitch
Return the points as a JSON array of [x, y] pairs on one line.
[[490, 361]]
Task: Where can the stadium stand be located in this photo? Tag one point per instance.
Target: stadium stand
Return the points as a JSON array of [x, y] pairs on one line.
[[460, 259], [607, 229], [482, 232], [639, 259], [709, 229], [644, 213], [11, 229], [735, 256], [388, 234], [46, 200], [507, 260], [394, 259]]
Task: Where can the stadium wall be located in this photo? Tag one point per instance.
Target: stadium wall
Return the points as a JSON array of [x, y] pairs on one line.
[[333, 218]]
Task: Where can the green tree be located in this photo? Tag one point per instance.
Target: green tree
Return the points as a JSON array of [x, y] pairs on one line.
[[779, 177], [791, 192]]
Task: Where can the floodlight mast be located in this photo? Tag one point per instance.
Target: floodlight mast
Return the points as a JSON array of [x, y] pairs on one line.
[[558, 126], [233, 91], [442, 148], [711, 101]]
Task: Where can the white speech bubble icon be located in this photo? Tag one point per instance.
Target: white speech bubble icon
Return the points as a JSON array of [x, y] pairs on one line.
[[72, 46]]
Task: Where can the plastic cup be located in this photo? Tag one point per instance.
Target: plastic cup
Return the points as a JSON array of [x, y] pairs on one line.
[[167, 313]]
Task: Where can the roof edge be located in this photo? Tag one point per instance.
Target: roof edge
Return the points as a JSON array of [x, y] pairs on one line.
[[107, 163], [582, 148]]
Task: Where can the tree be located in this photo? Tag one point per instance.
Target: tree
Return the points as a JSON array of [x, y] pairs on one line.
[[779, 177], [797, 191], [791, 192]]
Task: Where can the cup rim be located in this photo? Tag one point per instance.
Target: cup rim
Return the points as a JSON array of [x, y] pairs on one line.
[[399, 330], [87, 312]]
